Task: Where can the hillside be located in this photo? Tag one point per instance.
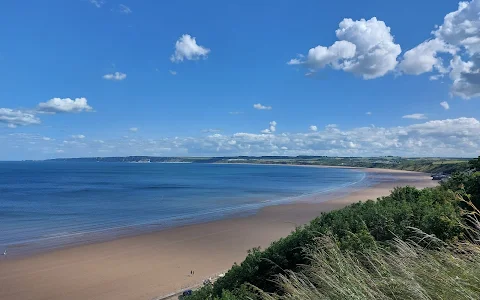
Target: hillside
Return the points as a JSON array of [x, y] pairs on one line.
[[365, 230], [428, 165]]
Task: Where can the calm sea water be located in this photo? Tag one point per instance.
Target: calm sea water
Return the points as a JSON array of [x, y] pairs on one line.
[[53, 204]]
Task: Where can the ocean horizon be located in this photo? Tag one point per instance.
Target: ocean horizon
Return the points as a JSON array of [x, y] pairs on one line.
[[48, 205]]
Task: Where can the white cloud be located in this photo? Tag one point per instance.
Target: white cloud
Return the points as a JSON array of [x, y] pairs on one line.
[[186, 48], [261, 107], [313, 128], [465, 77], [97, 3], [365, 48], [451, 137], [45, 138], [172, 72], [459, 37], [460, 27], [78, 136], [64, 105], [124, 9], [368, 113], [423, 58], [320, 56], [445, 105], [133, 129], [14, 118], [235, 112], [272, 128], [436, 77], [415, 116], [115, 76]]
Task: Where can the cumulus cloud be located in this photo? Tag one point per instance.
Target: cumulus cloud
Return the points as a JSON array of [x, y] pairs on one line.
[[124, 9], [14, 118], [133, 129], [460, 27], [415, 116], [364, 47], [187, 48], [451, 137], [261, 107], [313, 128], [445, 105], [78, 136], [465, 77], [115, 76], [172, 72], [459, 37], [272, 128], [423, 58], [64, 105]]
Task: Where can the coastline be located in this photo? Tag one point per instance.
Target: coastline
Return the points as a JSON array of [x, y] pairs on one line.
[[150, 265], [68, 238]]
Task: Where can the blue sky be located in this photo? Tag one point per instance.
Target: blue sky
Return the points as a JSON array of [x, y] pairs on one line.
[[107, 78]]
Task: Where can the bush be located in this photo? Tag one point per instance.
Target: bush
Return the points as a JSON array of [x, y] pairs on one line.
[[405, 271], [466, 183], [356, 228]]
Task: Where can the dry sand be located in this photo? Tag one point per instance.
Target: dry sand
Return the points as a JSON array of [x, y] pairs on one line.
[[150, 265]]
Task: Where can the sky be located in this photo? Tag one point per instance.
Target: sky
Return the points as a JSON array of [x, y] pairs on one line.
[[83, 78]]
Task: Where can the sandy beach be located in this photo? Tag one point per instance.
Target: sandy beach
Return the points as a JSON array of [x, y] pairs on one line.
[[151, 265]]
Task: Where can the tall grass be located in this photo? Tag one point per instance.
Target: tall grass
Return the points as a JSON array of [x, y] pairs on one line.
[[422, 267]]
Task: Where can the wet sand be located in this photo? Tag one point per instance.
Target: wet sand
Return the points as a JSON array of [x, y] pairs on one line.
[[151, 265]]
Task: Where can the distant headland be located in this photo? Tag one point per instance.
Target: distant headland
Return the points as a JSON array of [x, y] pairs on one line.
[[420, 164]]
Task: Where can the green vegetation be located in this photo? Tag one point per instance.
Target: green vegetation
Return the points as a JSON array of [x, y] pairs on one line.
[[407, 270], [366, 242], [428, 165], [467, 181]]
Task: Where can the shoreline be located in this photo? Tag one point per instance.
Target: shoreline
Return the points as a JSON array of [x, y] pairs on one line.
[[153, 264], [26, 248]]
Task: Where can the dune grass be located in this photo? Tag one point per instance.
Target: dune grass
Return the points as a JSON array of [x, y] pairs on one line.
[[422, 267], [412, 244]]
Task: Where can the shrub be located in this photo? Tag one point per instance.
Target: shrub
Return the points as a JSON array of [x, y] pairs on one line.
[[405, 271], [356, 228]]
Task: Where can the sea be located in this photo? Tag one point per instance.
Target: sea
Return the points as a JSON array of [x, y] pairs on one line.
[[47, 205]]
